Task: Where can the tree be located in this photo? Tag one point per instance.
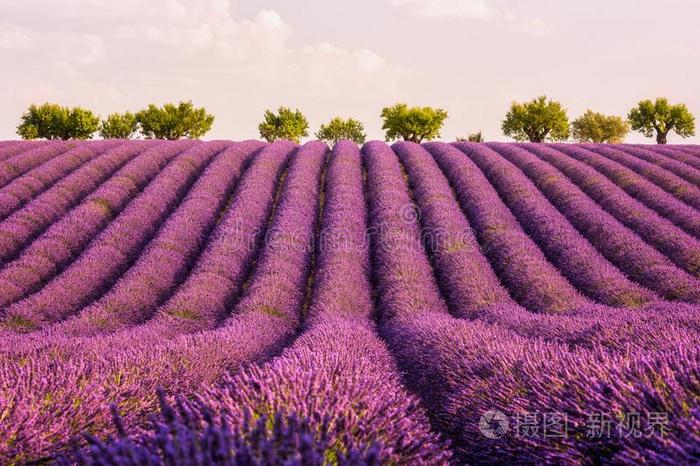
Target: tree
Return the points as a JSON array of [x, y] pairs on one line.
[[119, 126], [174, 121], [536, 121], [53, 121], [412, 124], [661, 118], [287, 124], [473, 137], [338, 129], [598, 128]]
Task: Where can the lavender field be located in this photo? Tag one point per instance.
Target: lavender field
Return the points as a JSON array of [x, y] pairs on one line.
[[243, 303]]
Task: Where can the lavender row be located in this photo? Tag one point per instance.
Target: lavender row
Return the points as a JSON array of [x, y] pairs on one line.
[[443, 362], [464, 274], [11, 148], [19, 164], [338, 375], [187, 433], [675, 154], [669, 182], [20, 190], [30, 221], [601, 327], [617, 243], [165, 261], [65, 239], [113, 250], [639, 188], [341, 288], [275, 293], [466, 370], [689, 149], [588, 326], [680, 169], [339, 369], [217, 279], [398, 252], [131, 373], [682, 248], [523, 268], [575, 257]]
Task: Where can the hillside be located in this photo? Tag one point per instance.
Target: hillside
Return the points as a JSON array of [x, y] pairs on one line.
[[387, 303]]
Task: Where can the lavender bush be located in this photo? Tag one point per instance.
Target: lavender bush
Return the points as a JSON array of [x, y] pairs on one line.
[[249, 303]]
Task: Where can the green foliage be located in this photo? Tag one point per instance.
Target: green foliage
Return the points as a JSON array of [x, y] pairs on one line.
[[412, 124], [338, 129], [119, 126], [473, 137], [536, 121], [174, 121], [287, 124], [660, 118], [598, 128], [52, 121]]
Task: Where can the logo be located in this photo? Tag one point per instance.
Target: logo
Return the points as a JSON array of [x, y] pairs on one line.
[[409, 213], [493, 424]]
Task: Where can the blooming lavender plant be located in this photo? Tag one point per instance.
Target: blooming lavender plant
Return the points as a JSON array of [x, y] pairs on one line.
[[110, 253], [34, 182], [20, 163], [657, 158], [666, 238], [670, 182], [573, 254], [284, 305], [521, 265], [638, 187]]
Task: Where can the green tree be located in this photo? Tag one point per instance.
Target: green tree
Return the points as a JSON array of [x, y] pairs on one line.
[[339, 129], [598, 128], [536, 121], [174, 121], [287, 124], [119, 126], [660, 118], [473, 137], [53, 121], [412, 123]]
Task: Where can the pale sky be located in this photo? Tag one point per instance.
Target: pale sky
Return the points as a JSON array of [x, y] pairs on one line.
[[351, 58]]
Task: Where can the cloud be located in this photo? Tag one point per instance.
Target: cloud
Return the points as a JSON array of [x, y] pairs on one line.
[[114, 56], [481, 10], [446, 9], [12, 37]]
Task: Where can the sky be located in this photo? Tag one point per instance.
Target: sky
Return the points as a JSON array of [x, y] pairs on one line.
[[330, 58]]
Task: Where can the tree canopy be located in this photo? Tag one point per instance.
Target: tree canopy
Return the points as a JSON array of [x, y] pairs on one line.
[[339, 129], [598, 128], [472, 137], [287, 124], [174, 121], [53, 121], [119, 126], [660, 118], [536, 121], [412, 123]]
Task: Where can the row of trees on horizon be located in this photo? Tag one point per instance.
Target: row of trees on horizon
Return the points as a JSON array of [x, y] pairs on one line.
[[539, 120]]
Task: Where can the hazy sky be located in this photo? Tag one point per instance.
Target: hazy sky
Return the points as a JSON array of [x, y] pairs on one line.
[[237, 58]]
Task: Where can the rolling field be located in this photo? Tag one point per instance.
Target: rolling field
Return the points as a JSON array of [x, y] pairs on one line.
[[232, 302]]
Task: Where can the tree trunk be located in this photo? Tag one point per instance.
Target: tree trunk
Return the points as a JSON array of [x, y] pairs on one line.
[[661, 138]]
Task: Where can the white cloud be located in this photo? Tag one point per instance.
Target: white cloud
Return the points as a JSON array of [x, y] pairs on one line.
[[446, 9], [12, 37], [122, 55], [482, 10]]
